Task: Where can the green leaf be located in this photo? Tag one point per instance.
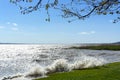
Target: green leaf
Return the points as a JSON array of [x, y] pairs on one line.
[[111, 13], [30, 7], [20, 7], [47, 6], [30, 0], [56, 2], [48, 19], [104, 13], [118, 12]]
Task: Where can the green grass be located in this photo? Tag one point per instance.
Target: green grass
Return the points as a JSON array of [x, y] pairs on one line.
[[108, 72], [99, 47]]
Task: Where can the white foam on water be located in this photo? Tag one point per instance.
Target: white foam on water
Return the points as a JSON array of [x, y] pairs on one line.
[[88, 62], [62, 65], [36, 71]]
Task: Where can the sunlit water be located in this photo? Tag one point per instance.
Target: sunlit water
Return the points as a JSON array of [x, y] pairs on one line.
[[20, 59]]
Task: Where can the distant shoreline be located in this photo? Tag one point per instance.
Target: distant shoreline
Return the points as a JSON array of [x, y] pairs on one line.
[[115, 47], [86, 44]]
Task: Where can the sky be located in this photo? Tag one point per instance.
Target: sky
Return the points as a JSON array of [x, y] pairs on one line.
[[32, 28]]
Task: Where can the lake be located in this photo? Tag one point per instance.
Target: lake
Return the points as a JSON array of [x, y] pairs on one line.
[[20, 59]]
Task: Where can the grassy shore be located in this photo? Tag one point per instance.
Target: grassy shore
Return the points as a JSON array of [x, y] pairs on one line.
[[99, 47], [108, 72]]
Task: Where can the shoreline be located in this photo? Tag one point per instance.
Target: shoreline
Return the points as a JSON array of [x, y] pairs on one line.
[[108, 72], [98, 47]]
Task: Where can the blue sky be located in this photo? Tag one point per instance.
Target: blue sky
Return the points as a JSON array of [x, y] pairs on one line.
[[32, 28]]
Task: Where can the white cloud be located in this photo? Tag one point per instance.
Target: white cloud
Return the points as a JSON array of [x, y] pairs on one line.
[[14, 24], [84, 33], [14, 29], [87, 33]]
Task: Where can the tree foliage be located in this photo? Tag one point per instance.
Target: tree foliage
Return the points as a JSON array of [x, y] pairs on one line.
[[73, 9]]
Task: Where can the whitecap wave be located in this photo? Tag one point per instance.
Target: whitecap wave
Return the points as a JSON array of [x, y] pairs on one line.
[[36, 71], [88, 62], [62, 65]]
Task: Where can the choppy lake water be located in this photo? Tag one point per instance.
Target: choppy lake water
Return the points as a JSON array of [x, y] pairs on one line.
[[20, 59]]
